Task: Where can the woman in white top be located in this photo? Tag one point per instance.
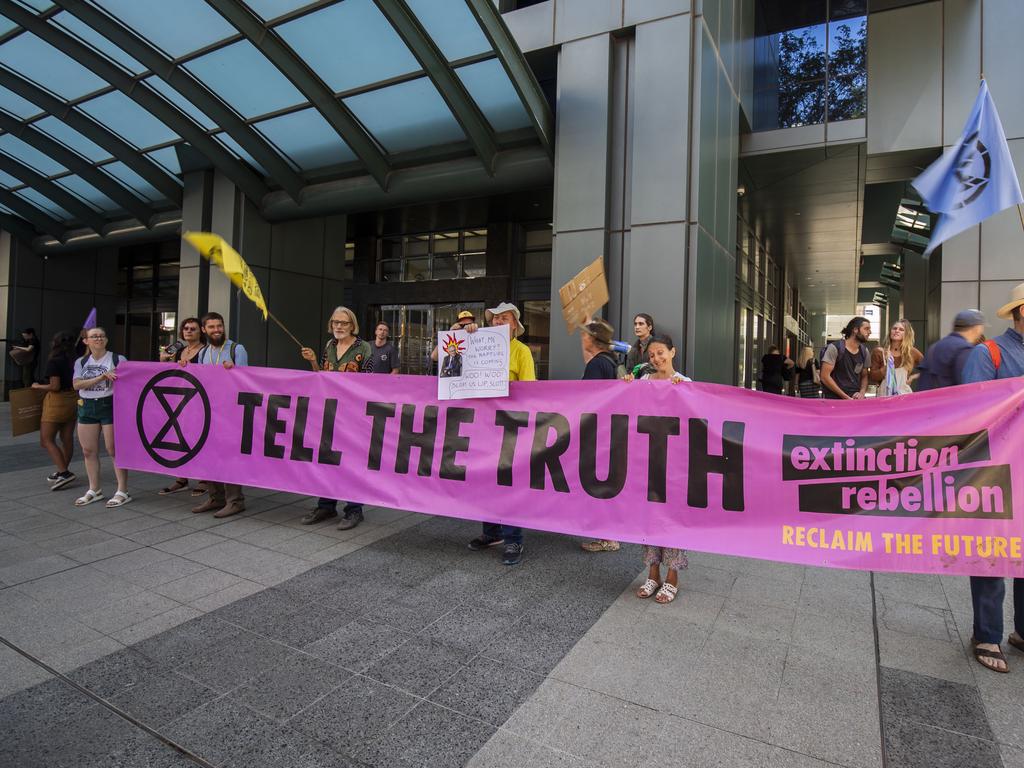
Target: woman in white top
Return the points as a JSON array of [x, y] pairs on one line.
[[661, 353], [94, 381]]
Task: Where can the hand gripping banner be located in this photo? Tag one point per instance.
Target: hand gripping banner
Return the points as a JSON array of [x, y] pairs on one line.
[[927, 483]]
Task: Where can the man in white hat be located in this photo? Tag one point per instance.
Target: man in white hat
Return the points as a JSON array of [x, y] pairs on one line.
[[520, 368], [998, 358]]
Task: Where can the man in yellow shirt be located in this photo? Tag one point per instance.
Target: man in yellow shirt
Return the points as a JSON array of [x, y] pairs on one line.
[[520, 368]]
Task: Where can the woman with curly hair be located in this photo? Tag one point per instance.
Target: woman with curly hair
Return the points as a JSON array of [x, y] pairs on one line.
[[893, 362]]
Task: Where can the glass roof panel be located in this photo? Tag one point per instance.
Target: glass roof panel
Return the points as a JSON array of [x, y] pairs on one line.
[[87, 192], [233, 74], [6, 25], [452, 26], [163, 23], [490, 87], [13, 103], [128, 119], [96, 41], [131, 179], [160, 85], [307, 138], [69, 137], [236, 149], [406, 116], [44, 65], [39, 5], [9, 181], [167, 158], [29, 155], [349, 45], [271, 9], [40, 201]]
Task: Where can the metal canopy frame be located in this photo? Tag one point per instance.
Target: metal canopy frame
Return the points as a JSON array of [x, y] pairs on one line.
[[183, 125], [185, 84], [17, 227], [444, 77], [74, 163], [292, 66], [54, 192], [518, 71], [33, 215], [107, 139]]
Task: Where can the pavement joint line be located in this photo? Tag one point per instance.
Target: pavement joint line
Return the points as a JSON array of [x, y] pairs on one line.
[[878, 669], [113, 708]]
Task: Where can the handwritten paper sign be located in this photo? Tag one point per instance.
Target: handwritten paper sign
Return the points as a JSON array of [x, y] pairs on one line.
[[472, 364]]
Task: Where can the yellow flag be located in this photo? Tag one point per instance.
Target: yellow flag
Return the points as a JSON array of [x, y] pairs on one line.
[[216, 249]]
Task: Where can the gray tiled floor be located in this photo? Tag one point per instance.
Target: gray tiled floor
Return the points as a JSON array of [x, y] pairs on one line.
[[254, 641]]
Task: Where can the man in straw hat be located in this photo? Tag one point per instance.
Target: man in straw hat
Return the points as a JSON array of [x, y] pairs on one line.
[[998, 358], [520, 368]]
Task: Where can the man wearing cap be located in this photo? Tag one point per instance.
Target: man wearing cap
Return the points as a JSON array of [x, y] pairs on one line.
[[987, 592], [520, 368], [943, 364], [596, 344]]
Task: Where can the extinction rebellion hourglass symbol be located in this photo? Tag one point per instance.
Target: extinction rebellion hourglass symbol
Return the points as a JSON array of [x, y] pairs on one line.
[[173, 439]]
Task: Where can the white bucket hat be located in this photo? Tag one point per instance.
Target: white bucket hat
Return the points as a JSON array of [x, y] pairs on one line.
[[506, 307]]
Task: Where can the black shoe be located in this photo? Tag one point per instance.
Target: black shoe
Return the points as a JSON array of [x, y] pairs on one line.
[[318, 515], [513, 554], [485, 542], [62, 479], [53, 477], [350, 520]]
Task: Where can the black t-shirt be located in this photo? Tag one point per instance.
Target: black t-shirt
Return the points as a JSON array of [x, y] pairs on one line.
[[601, 366], [848, 367], [771, 369], [61, 365], [383, 359]]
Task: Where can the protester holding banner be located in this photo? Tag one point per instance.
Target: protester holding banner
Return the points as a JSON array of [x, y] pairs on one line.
[[344, 353], [845, 363], [943, 364], [520, 368], [643, 327], [188, 346], [894, 360], [998, 358], [93, 379], [226, 499], [59, 404]]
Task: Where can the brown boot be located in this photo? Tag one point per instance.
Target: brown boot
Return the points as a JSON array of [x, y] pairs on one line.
[[207, 506], [231, 509]]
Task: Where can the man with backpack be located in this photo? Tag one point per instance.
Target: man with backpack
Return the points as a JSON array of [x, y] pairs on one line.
[[226, 499], [998, 358], [844, 363], [944, 363]]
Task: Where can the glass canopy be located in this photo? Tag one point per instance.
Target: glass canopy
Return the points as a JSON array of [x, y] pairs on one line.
[[98, 96]]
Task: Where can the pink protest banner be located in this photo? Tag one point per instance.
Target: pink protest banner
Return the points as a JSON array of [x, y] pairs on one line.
[[929, 482]]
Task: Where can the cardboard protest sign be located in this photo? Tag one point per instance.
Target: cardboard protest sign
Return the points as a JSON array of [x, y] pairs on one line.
[[472, 364], [582, 296], [26, 410]]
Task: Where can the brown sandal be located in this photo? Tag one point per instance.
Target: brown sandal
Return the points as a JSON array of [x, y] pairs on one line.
[[1017, 643], [175, 487], [985, 653]]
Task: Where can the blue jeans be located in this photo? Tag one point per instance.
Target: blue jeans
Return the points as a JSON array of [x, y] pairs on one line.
[[987, 593], [350, 507], [510, 533]]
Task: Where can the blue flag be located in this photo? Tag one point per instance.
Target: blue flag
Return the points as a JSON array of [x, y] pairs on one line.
[[974, 179]]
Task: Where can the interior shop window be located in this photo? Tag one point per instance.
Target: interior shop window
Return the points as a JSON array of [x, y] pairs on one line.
[[449, 255]]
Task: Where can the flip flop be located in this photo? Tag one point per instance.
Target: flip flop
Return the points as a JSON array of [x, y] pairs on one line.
[[985, 653], [176, 487]]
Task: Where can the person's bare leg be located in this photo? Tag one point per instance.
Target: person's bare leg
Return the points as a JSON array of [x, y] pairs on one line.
[[67, 442], [89, 439], [672, 577], [120, 474], [47, 439]]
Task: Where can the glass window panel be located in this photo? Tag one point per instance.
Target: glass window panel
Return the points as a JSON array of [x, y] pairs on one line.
[[390, 271], [539, 237], [38, 5], [537, 264], [349, 44], [307, 138], [168, 158], [446, 267], [45, 203], [474, 265], [237, 150], [177, 27], [417, 269], [9, 181], [271, 9], [96, 41], [232, 73], [452, 26], [29, 155], [446, 242], [406, 116], [417, 246], [6, 25], [476, 241], [69, 137], [128, 119], [13, 103], [160, 86], [130, 178], [391, 248], [492, 90], [43, 64], [847, 68], [88, 192]]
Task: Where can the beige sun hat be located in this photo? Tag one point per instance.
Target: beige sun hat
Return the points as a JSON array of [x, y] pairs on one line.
[[1016, 299], [506, 307]]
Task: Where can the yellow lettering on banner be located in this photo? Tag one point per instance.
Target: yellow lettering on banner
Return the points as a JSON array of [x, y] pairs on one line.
[[986, 547], [818, 538], [787, 534]]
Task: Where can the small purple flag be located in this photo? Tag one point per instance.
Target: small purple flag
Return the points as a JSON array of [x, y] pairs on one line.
[[90, 321]]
